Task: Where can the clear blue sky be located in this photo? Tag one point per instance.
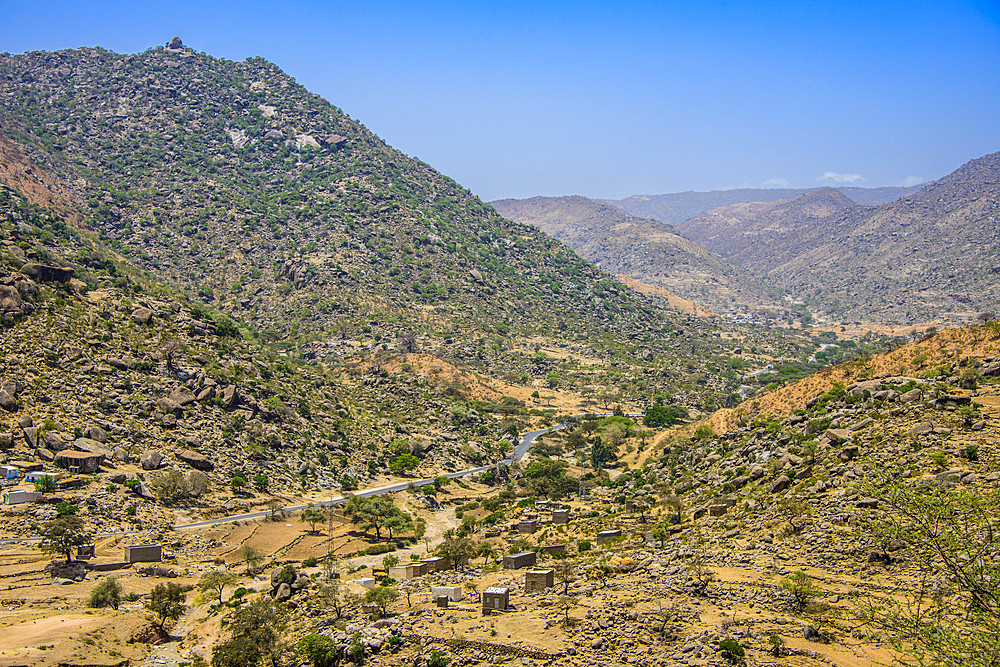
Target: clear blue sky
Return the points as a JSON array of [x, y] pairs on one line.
[[607, 99]]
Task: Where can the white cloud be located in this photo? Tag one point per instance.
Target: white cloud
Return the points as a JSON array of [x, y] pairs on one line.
[[910, 181], [840, 178], [776, 183]]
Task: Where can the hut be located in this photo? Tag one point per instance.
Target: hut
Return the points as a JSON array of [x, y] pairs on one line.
[[435, 564], [18, 496], [606, 535], [144, 553], [517, 561], [496, 598], [529, 526], [560, 516], [538, 580], [453, 593]]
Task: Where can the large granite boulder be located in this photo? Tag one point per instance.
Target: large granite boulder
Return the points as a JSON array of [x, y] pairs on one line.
[[195, 460]]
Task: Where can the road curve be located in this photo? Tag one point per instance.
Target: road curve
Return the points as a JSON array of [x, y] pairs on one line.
[[522, 448]]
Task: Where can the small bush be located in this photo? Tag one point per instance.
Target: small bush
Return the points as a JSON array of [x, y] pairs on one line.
[[732, 650], [583, 545], [312, 561], [377, 549], [107, 593]]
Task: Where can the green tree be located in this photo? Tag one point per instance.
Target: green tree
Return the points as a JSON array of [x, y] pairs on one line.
[[166, 601], [107, 593], [602, 453], [312, 515], [62, 534], [319, 649], [252, 557], [382, 596], [441, 481], [404, 462], [801, 587], [45, 485], [216, 581], [261, 623], [398, 522], [235, 652], [456, 550], [370, 512], [951, 536], [664, 415]]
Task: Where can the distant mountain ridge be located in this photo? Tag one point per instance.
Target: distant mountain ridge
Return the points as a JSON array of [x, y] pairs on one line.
[[644, 249], [741, 232], [677, 207], [928, 255]]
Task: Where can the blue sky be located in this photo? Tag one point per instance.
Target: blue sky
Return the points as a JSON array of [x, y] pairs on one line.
[[608, 99]]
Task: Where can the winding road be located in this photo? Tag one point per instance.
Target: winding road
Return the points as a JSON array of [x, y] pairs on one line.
[[519, 451]]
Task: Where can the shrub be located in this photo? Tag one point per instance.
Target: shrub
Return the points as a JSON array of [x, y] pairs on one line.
[[377, 549], [732, 650], [107, 593], [312, 561], [583, 545], [437, 658]]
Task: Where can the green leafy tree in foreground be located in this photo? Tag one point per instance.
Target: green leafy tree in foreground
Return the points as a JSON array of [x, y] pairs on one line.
[[382, 596], [166, 601], [260, 625], [952, 536]]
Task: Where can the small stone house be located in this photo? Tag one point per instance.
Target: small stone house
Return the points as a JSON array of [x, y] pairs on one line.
[[527, 526], [496, 598], [538, 580], [403, 572], [606, 535], [517, 561], [144, 553], [553, 549], [560, 516], [453, 593], [435, 564], [9, 472]]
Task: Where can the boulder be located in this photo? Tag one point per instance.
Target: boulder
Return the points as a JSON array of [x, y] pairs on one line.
[[7, 402], [47, 274], [780, 484], [837, 435], [911, 396], [230, 397], [142, 316], [92, 446], [183, 396], [283, 593], [175, 43], [206, 394], [923, 428], [195, 460], [151, 460], [12, 306], [86, 462], [96, 433], [6, 441]]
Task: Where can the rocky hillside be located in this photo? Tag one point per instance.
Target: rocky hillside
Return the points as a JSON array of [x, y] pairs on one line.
[[745, 233], [677, 207], [262, 200], [929, 255], [641, 248]]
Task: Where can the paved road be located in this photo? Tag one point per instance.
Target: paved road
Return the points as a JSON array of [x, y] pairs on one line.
[[526, 441]]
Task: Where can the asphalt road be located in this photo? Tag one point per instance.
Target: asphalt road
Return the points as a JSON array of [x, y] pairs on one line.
[[519, 451]]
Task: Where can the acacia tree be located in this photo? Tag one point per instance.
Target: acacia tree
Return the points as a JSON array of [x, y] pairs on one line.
[[216, 582], [166, 602], [373, 512], [952, 536], [312, 516], [62, 535]]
